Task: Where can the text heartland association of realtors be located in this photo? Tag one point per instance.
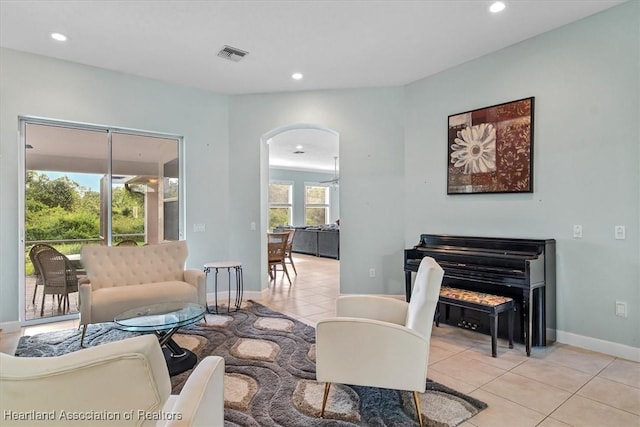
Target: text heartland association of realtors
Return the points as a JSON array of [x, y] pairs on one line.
[[90, 415]]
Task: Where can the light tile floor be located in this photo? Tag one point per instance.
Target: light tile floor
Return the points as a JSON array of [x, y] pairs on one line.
[[558, 385]]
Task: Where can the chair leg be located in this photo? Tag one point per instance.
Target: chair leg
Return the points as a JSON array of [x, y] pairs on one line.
[[292, 264], [35, 289], [84, 331], [416, 400], [284, 268], [327, 386], [42, 305]]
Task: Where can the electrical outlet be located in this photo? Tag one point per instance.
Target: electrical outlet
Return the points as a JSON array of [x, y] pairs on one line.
[[621, 308], [372, 272], [199, 228], [252, 226], [620, 232], [577, 231]]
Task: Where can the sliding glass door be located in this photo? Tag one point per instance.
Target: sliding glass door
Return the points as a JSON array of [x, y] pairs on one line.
[[91, 185]]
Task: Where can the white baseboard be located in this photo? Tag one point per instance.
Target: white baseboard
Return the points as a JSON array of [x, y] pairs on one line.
[[9, 327], [622, 351]]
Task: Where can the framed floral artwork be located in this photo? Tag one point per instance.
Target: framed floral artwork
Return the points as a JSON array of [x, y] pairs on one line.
[[491, 149]]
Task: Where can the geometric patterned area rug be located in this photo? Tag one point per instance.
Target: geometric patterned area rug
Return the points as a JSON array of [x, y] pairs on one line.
[[270, 374]]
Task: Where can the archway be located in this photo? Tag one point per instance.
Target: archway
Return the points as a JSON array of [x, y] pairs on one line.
[[301, 157]]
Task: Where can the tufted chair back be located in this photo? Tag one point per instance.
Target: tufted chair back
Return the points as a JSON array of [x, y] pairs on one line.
[[110, 266]]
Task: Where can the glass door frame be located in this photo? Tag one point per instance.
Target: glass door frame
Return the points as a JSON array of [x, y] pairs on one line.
[[23, 121]]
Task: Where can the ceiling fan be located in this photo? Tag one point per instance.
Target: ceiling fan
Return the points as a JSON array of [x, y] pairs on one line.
[[336, 178]]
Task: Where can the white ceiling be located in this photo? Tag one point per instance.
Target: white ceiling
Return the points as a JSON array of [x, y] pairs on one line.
[[319, 150], [334, 43]]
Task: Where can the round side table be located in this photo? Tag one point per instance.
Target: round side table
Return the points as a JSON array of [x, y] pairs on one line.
[[229, 266]]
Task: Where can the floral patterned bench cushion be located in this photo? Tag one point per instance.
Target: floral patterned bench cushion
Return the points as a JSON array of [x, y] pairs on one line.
[[472, 296]]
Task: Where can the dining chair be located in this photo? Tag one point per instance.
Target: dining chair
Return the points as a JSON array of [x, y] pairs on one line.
[[276, 253], [59, 277], [288, 253]]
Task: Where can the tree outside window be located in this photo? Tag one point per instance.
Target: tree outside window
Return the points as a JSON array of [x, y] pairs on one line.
[[316, 204], [280, 196]]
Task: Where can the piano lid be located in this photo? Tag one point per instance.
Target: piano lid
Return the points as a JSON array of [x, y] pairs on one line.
[[491, 246]]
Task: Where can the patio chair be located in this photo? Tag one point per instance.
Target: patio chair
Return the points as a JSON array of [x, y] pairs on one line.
[[36, 268], [127, 242], [59, 277]]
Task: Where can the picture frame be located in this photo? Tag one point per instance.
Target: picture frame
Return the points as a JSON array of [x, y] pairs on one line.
[[490, 149]]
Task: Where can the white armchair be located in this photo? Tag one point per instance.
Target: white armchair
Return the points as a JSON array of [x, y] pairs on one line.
[[123, 383], [378, 341]]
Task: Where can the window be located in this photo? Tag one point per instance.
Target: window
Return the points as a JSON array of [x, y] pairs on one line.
[[316, 204], [279, 204], [88, 184]]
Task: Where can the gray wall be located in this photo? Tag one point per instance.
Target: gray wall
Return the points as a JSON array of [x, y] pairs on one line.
[[39, 86], [299, 179], [370, 127], [393, 162], [585, 78]]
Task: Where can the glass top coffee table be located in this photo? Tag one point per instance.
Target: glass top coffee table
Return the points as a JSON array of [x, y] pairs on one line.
[[164, 320]]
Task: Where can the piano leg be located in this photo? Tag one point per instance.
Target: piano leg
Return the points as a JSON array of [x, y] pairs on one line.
[[527, 315], [540, 320]]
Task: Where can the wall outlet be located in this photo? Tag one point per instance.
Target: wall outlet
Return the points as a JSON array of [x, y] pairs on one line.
[[577, 231], [621, 308], [252, 226], [372, 272], [620, 232], [199, 228]]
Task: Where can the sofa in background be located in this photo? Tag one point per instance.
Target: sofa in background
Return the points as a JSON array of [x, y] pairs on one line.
[[122, 278], [126, 380], [319, 241]]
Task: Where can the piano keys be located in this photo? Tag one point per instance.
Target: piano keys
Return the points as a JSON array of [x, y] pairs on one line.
[[523, 269]]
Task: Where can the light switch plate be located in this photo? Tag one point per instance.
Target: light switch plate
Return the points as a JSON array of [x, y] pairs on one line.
[[621, 308], [620, 232], [577, 231]]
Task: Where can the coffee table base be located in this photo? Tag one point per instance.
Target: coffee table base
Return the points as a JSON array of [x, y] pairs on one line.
[[178, 359], [181, 363]]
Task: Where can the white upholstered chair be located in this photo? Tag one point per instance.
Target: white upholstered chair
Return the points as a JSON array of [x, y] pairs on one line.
[[126, 380], [379, 341]]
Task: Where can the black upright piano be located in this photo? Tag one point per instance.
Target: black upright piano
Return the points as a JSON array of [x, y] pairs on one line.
[[523, 269]]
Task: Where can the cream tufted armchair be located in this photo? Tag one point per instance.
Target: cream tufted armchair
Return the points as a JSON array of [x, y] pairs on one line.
[[123, 383], [379, 341], [127, 277]]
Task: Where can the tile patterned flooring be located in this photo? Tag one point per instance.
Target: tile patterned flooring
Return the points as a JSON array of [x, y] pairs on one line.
[[557, 386]]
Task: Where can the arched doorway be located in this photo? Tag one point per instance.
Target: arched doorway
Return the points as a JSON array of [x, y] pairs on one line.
[[300, 165]]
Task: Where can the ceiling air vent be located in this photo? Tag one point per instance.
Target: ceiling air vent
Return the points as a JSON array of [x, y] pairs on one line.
[[232, 53]]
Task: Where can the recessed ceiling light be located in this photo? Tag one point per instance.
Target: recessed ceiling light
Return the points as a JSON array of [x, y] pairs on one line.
[[298, 147], [59, 37], [296, 76], [497, 7]]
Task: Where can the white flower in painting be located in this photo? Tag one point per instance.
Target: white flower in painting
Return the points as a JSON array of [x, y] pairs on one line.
[[475, 149]]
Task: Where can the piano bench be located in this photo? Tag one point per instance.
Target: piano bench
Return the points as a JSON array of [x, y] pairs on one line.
[[493, 305]]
